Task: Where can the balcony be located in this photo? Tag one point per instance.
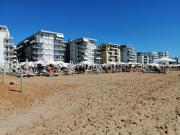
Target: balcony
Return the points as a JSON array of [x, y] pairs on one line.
[[59, 49], [37, 47], [98, 58], [59, 54], [59, 43]]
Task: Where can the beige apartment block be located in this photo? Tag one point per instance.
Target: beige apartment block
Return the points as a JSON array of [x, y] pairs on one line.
[[110, 53]]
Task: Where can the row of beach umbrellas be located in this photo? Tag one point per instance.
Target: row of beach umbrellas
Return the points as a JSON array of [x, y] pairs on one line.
[[63, 64]]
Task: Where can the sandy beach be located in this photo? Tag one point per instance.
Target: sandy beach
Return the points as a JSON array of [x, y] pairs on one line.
[[92, 104]]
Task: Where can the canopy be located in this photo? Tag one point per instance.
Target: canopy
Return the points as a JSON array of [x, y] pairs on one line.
[[164, 60]]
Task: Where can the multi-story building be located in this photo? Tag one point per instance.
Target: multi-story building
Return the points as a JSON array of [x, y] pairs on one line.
[[8, 58], [109, 53], [143, 58], [67, 52], [177, 60], [98, 59], [157, 55], [82, 49], [43, 45], [128, 54], [153, 56], [163, 54]]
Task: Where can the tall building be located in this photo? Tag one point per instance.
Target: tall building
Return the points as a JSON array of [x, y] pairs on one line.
[[157, 55], [43, 45], [7, 49], [177, 60], [163, 54], [143, 58], [110, 53], [98, 58], [153, 56], [82, 49], [128, 54]]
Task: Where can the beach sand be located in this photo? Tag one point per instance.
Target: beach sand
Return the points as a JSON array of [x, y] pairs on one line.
[[93, 104]]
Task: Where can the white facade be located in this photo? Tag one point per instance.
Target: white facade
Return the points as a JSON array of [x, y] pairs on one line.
[[43, 45], [82, 49], [142, 58], [163, 54], [128, 54], [7, 53]]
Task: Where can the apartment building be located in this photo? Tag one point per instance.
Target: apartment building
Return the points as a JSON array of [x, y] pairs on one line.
[[128, 54], [98, 59], [43, 45], [109, 53], [163, 54], [177, 59], [143, 58], [82, 49], [8, 59]]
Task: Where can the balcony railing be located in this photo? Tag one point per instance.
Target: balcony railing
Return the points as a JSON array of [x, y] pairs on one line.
[[60, 49], [37, 47]]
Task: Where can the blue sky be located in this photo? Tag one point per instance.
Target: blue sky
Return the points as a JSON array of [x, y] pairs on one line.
[[147, 25]]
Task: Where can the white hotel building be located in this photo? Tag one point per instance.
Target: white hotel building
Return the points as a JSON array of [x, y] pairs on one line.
[[43, 45], [82, 49], [7, 49]]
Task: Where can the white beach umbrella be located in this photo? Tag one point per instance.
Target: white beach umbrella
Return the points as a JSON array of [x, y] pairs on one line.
[[154, 64], [38, 62], [86, 63], [31, 64], [51, 62], [111, 63], [22, 63], [132, 63], [26, 64], [121, 63]]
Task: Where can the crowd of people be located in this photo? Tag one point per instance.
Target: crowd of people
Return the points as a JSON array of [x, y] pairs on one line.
[[55, 70]]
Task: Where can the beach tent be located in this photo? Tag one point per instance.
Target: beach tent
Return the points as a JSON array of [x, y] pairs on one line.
[[164, 60]]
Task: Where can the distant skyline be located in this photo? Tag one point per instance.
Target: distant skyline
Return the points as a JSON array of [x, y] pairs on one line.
[[146, 25]]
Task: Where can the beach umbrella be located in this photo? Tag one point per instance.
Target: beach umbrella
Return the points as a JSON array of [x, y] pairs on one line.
[[31, 64], [26, 64], [132, 63], [154, 64], [111, 63], [38, 62], [51, 62], [121, 63], [86, 63], [22, 63]]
